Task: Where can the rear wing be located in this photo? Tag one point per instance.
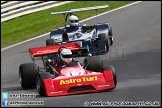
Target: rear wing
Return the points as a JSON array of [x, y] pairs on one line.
[[80, 9], [71, 11], [46, 50]]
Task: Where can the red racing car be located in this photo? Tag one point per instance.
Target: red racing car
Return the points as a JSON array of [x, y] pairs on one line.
[[63, 75]]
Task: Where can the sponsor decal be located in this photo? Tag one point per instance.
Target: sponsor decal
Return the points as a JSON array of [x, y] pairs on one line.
[[78, 80], [103, 85], [46, 51], [50, 50], [56, 92]]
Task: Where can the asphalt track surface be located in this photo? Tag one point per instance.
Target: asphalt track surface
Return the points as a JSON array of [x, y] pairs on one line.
[[135, 55]]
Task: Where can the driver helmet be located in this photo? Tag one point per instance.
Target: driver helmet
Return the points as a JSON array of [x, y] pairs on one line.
[[66, 55], [73, 20]]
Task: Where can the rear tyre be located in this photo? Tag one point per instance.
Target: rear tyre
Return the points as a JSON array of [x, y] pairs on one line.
[[104, 37], [50, 42], [110, 31], [111, 40], [27, 75], [110, 67], [110, 35], [94, 64], [40, 83]]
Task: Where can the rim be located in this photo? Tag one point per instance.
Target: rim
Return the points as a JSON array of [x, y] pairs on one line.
[[38, 84], [20, 78]]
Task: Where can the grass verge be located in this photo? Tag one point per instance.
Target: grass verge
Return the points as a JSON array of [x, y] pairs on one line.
[[32, 25]]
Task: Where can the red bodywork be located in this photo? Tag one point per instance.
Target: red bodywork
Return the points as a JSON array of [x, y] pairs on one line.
[[73, 79]]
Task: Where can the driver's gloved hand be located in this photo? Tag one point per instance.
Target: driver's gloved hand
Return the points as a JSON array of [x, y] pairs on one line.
[[48, 61]]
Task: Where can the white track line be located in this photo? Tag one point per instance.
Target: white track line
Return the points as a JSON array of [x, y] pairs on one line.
[[79, 21]]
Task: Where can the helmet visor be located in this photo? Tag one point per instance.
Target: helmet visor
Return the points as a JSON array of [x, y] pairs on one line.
[[73, 21], [67, 56]]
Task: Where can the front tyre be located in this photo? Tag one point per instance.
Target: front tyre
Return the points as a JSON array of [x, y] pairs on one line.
[[104, 37], [50, 42], [94, 64], [40, 83], [110, 67], [27, 75]]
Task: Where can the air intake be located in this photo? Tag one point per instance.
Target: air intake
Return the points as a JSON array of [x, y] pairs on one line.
[[80, 88]]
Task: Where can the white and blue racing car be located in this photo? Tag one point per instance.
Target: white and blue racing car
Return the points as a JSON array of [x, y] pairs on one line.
[[94, 39]]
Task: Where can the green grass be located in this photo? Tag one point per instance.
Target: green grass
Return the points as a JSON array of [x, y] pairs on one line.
[[35, 24]]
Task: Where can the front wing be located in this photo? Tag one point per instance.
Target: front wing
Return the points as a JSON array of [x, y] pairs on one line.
[[79, 84]]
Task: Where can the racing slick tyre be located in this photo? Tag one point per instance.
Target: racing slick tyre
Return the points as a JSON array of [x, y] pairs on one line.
[[103, 36], [40, 83], [110, 31], [50, 42], [94, 64], [110, 35], [110, 67], [111, 40], [27, 75]]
